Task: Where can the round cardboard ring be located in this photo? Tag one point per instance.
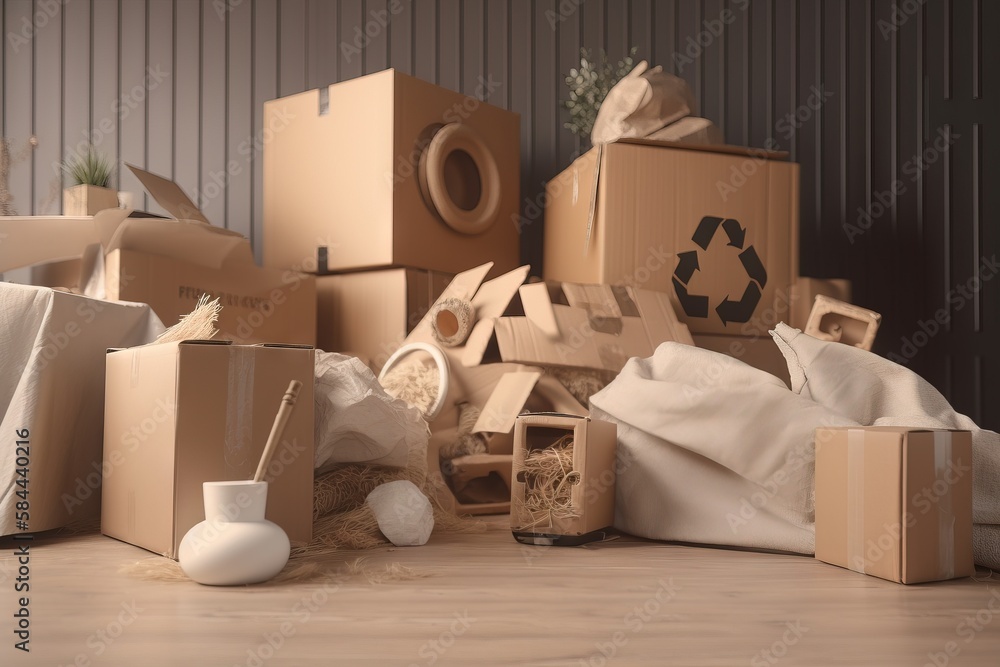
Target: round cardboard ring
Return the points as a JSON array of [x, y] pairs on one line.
[[457, 137]]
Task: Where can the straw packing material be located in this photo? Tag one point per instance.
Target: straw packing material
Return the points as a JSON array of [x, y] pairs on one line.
[[549, 479]]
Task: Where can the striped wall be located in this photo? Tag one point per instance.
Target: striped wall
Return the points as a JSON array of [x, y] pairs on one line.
[[177, 86]]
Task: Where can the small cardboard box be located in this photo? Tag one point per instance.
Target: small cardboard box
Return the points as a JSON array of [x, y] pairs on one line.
[[181, 414], [388, 170], [592, 499], [369, 313], [716, 227], [895, 502]]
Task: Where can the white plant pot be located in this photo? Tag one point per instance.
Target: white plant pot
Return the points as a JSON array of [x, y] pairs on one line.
[[235, 544]]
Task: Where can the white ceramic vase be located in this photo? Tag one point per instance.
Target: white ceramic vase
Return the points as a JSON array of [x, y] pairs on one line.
[[235, 544]]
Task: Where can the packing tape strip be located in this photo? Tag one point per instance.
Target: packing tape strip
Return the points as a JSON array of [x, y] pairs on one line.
[[856, 500], [946, 515], [239, 409]]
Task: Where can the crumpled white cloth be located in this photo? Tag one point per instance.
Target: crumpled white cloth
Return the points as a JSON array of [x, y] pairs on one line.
[[357, 421], [874, 391], [52, 350], [712, 450]]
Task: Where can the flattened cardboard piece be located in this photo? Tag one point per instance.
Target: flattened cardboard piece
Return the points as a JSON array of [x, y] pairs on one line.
[[506, 401], [491, 301], [29, 240], [538, 308], [168, 195], [591, 336]]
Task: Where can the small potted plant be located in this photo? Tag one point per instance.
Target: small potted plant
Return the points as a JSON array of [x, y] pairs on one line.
[[90, 174], [589, 85]]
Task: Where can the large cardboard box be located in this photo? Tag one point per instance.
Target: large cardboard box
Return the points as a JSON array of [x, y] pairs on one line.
[[715, 226], [180, 414], [388, 170], [168, 264], [592, 479], [369, 313], [895, 502]]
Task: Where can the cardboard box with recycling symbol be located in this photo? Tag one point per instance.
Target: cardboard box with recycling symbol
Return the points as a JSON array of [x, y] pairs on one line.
[[714, 226]]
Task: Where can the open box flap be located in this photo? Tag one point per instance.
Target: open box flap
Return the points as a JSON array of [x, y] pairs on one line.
[[184, 240], [169, 195], [31, 240], [505, 403], [491, 301], [538, 308]]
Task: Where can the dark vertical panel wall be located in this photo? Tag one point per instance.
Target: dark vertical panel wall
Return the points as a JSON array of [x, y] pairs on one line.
[[890, 107]]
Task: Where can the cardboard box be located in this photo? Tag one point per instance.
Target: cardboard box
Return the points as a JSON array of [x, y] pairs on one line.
[[716, 227], [895, 502], [169, 264], [804, 294], [388, 170], [181, 414], [593, 491], [840, 322], [369, 313]]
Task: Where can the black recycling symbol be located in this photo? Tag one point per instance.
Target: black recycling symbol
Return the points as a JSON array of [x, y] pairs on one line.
[[696, 305]]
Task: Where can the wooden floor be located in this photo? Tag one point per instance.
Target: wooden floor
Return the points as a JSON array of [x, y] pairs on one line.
[[488, 600]]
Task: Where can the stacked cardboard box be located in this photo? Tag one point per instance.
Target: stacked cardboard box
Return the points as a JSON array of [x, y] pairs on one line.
[[716, 227], [406, 184]]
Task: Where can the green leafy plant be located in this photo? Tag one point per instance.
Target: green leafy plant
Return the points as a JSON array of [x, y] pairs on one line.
[[589, 85], [90, 168]]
